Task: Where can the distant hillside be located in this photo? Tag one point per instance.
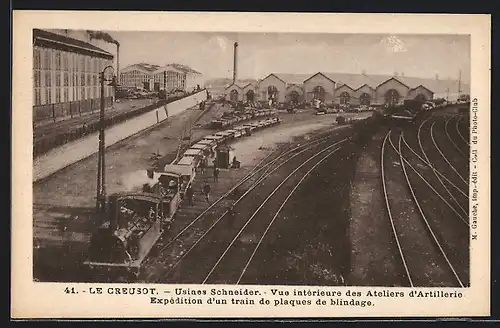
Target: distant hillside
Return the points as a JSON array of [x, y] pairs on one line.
[[184, 68], [223, 82]]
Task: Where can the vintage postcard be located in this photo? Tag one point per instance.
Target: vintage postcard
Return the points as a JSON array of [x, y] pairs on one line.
[[212, 165]]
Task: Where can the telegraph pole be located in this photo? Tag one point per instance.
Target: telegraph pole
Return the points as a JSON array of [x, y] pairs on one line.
[[459, 82], [101, 164]]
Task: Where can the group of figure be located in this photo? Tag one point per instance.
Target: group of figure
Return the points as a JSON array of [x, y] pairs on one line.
[[206, 189]]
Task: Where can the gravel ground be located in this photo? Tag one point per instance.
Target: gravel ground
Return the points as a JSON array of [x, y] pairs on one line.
[[371, 265], [334, 230], [66, 198], [376, 259]]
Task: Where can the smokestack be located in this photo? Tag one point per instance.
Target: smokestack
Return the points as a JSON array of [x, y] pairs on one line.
[[117, 62], [235, 62]]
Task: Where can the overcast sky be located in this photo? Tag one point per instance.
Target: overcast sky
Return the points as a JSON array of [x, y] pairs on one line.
[[261, 54]]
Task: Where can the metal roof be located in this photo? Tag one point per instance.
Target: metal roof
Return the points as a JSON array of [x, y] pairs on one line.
[[48, 39]]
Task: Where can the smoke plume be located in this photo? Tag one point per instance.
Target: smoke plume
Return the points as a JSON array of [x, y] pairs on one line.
[[99, 35], [134, 181]]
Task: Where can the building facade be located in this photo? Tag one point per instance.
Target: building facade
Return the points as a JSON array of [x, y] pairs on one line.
[[66, 76], [155, 78], [137, 76], [340, 89]]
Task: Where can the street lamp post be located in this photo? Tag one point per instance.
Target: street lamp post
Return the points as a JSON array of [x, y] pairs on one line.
[[101, 162]]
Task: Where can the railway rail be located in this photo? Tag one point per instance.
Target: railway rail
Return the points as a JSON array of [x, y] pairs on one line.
[[234, 261], [435, 171], [220, 237], [204, 222], [422, 250], [455, 145]]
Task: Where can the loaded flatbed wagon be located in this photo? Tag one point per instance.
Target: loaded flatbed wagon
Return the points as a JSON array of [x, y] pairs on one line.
[[203, 147], [226, 135], [197, 154], [235, 133], [187, 161], [241, 131], [249, 126], [217, 139], [210, 143]]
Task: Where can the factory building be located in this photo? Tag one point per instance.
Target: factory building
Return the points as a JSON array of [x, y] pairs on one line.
[[242, 92], [156, 78], [66, 75], [319, 86], [341, 88], [353, 89], [137, 75]]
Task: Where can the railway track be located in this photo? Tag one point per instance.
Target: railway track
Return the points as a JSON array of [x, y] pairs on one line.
[[459, 133], [424, 254], [198, 227], [217, 240], [463, 215], [445, 158], [234, 261], [447, 131]]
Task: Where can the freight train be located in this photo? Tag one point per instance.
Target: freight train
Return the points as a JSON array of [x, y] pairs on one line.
[[134, 221]]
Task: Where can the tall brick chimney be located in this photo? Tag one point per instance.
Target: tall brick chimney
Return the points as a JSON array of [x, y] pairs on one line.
[[235, 62]]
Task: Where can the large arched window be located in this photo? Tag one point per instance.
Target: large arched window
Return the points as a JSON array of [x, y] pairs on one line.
[[250, 96], [345, 98], [319, 93], [421, 97], [365, 99], [233, 95], [293, 96], [272, 93], [392, 97]]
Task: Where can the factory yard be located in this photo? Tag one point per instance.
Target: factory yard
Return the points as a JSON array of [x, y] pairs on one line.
[[314, 202], [63, 202]]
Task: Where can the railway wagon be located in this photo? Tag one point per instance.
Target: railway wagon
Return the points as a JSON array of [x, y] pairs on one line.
[[226, 135], [217, 139], [209, 143], [242, 131], [197, 155], [219, 124], [206, 149], [186, 170], [236, 133], [187, 161]]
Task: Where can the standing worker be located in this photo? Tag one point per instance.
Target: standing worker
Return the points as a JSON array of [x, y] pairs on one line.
[[216, 174], [206, 192], [190, 195], [202, 166]]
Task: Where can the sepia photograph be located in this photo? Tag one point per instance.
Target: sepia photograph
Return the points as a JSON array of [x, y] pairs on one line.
[[252, 158]]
